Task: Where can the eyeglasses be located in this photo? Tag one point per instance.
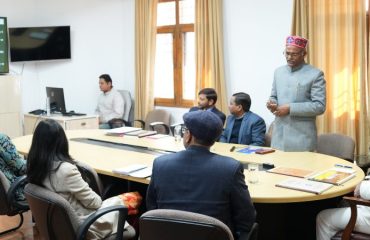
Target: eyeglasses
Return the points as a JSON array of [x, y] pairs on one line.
[[292, 54], [184, 129]]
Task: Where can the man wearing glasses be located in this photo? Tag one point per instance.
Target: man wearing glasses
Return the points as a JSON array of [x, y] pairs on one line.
[[200, 181], [298, 95]]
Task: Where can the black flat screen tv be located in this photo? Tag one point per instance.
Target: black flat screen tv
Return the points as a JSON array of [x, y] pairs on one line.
[[39, 43], [4, 61]]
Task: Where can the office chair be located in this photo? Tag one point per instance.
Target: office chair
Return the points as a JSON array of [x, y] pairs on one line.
[[156, 120], [166, 224], [56, 219], [8, 203], [348, 233], [268, 135], [128, 111], [337, 145]]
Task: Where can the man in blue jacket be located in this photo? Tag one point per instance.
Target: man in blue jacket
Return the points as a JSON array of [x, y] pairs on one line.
[[200, 181], [243, 126]]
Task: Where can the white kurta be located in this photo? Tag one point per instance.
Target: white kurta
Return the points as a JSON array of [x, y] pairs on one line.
[[330, 221], [304, 89]]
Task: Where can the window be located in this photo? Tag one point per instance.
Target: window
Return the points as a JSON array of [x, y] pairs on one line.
[[174, 70]]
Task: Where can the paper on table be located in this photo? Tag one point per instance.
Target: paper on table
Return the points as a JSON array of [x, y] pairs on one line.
[[129, 169], [304, 185], [121, 130]]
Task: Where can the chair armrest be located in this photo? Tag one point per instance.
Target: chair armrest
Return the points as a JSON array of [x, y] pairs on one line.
[[93, 217], [142, 123], [353, 202], [165, 126], [20, 182]]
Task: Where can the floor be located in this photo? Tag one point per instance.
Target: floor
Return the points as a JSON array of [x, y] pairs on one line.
[[27, 231]]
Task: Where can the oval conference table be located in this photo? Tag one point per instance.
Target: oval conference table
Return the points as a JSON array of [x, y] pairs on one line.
[[280, 210]]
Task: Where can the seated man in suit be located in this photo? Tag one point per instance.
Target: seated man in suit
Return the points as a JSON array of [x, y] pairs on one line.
[[110, 103], [243, 126], [200, 181], [207, 98]]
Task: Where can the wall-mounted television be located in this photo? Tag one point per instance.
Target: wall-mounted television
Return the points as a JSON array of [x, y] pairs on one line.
[[39, 43], [4, 61]]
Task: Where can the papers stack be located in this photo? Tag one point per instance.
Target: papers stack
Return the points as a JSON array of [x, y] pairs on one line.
[[135, 170]]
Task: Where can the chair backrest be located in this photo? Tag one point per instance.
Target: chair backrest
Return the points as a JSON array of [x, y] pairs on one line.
[[157, 115], [165, 224], [54, 216], [268, 135], [337, 145], [90, 176], [128, 111]]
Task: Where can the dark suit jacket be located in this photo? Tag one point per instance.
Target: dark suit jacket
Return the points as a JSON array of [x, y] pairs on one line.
[[199, 181], [252, 131], [214, 110]]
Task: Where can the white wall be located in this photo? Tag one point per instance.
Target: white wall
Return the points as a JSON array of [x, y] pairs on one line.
[[102, 35], [254, 41]]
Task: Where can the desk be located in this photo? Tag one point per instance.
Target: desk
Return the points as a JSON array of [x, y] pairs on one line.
[[264, 194], [104, 159], [68, 123]]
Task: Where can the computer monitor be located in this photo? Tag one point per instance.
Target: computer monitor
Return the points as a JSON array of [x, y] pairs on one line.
[[56, 97]]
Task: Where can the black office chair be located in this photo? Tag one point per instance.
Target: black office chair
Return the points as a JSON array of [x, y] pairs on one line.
[[8, 203], [56, 219], [168, 224], [156, 120]]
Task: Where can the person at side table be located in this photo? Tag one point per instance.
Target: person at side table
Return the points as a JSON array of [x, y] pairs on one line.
[[11, 163], [110, 103], [200, 181], [330, 221], [243, 126], [207, 98]]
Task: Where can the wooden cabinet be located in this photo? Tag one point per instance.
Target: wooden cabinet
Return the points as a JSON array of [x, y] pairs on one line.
[[68, 123], [10, 106]]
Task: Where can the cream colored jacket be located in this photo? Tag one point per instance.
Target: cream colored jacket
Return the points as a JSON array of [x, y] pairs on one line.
[[68, 183]]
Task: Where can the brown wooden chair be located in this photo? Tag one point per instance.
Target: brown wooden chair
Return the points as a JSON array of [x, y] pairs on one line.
[[348, 233]]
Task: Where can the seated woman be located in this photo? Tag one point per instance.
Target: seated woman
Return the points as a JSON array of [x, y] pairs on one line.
[[11, 163], [330, 221], [49, 165]]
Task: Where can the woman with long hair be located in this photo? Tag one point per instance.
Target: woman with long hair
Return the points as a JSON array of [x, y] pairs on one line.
[[49, 165]]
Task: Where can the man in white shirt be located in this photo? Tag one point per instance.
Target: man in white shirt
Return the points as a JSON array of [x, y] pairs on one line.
[[110, 102]]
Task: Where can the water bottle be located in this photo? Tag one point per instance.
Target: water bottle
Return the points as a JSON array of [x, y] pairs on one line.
[[47, 106]]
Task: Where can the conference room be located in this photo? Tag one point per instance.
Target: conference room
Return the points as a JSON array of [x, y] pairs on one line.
[[108, 37]]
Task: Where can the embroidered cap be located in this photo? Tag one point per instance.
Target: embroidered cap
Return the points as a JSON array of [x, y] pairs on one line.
[[204, 125], [296, 41]]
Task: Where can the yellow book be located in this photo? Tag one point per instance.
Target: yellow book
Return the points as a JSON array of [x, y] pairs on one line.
[[336, 175]]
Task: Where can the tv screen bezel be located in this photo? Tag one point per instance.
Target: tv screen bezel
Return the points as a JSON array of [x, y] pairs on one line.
[[40, 57]]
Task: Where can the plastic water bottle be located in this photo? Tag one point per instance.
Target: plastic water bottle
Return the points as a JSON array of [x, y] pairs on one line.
[[47, 106]]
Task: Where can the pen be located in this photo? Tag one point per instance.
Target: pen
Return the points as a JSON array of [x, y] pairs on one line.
[[232, 149], [344, 166]]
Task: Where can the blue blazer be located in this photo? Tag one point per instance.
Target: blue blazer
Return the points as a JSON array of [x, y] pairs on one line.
[[199, 181], [214, 110], [252, 130]]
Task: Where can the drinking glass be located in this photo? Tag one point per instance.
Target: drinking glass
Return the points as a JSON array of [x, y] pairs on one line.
[[177, 133], [253, 173]]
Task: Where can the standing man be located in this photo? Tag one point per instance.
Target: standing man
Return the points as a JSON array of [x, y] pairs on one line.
[[243, 126], [110, 103], [298, 95], [200, 181], [207, 98]]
